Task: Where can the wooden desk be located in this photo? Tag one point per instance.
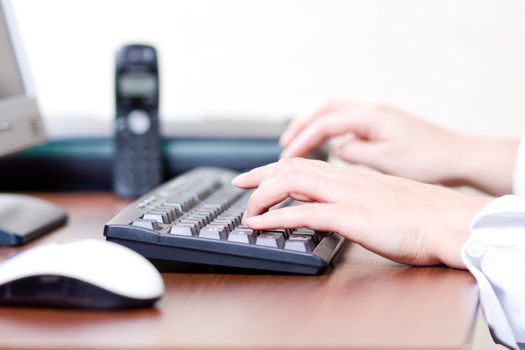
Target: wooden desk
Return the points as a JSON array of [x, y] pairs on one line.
[[365, 302]]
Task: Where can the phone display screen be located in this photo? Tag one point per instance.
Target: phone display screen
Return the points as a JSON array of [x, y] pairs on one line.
[[138, 85]]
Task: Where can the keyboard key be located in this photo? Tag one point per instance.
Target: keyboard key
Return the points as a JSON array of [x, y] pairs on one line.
[[203, 221], [242, 236], [157, 216], [149, 224], [234, 220], [191, 199], [172, 212], [213, 232], [227, 228], [270, 239], [201, 214], [306, 232], [226, 223], [195, 223], [300, 243], [177, 207], [168, 211], [183, 230], [213, 209], [181, 204]]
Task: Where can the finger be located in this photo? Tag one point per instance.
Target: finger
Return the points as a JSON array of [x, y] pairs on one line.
[[298, 124], [315, 216], [296, 184], [360, 152], [356, 121], [338, 142], [315, 134], [253, 178]]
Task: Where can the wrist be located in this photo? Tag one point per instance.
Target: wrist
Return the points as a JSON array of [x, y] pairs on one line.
[[456, 231], [484, 163]]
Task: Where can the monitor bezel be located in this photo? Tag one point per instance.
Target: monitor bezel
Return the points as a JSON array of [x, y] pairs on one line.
[[21, 124]]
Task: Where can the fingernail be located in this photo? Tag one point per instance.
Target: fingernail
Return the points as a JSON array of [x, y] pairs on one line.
[[238, 178]]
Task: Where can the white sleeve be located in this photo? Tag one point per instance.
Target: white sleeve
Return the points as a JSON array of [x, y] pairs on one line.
[[495, 255]]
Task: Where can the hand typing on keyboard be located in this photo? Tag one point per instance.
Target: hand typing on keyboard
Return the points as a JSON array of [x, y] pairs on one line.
[[403, 220], [196, 218], [407, 221], [397, 143]]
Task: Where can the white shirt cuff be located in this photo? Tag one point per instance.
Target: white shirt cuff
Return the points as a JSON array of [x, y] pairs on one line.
[[495, 255]]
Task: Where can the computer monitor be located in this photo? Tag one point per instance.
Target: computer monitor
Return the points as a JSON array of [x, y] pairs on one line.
[[22, 218], [21, 124]]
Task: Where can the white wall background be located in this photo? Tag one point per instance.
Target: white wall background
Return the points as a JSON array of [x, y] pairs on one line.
[[457, 62]]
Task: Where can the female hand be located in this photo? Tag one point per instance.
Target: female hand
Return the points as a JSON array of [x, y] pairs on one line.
[[400, 219], [396, 143]]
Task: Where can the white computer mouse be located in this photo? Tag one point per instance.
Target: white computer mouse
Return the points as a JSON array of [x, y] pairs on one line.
[[85, 274]]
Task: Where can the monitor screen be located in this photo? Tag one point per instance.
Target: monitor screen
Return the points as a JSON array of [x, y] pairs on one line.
[[20, 123], [11, 83]]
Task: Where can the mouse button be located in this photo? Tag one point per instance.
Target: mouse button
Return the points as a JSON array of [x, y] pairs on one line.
[[109, 266], [31, 262], [26, 257]]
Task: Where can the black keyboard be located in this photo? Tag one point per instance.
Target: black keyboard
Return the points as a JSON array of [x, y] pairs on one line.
[[196, 218]]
